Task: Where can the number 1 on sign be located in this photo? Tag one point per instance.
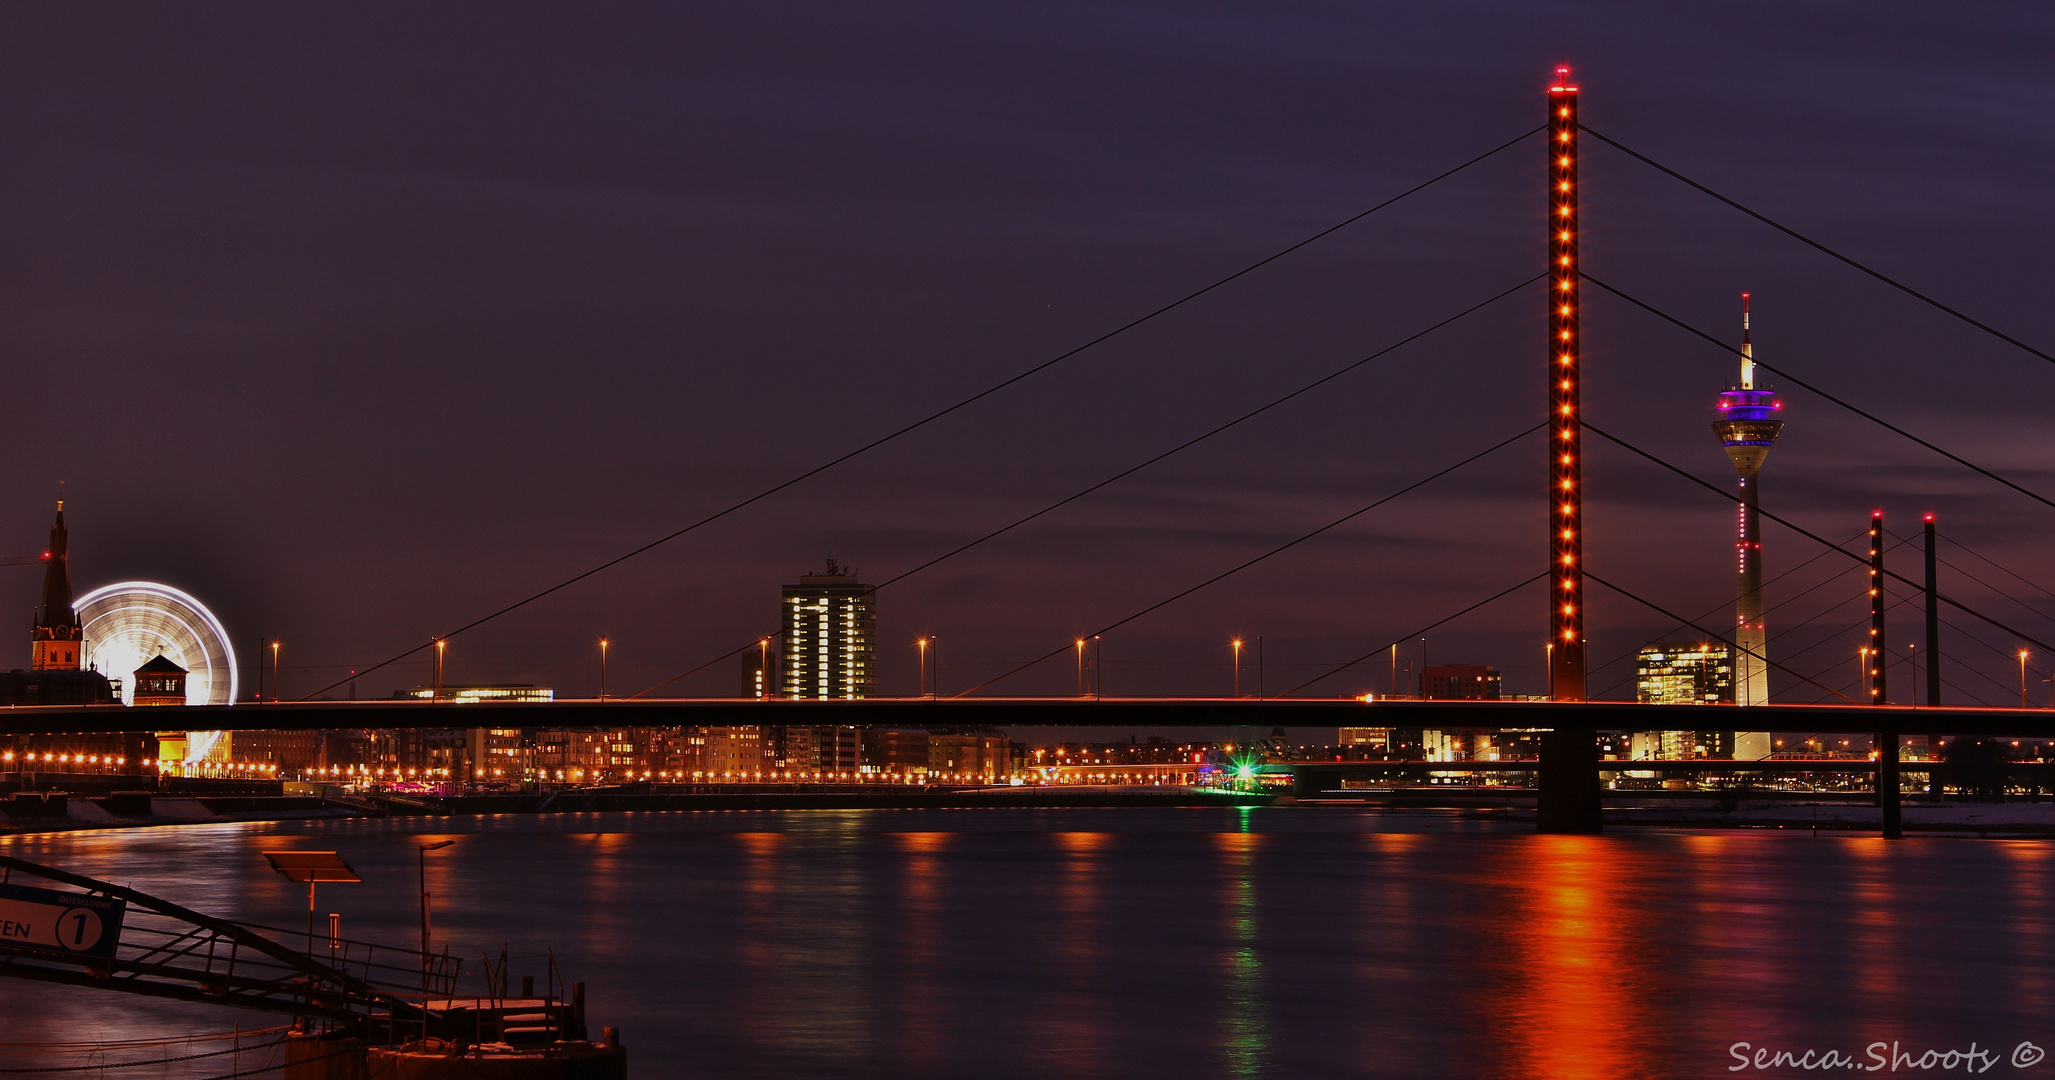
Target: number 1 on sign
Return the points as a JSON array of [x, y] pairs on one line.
[[78, 929]]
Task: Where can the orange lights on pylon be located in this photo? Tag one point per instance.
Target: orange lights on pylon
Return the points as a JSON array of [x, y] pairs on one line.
[[1566, 675]]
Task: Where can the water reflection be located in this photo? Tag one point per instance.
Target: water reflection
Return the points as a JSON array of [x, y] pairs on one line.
[[1201, 942], [1572, 973], [918, 947], [1076, 1034], [1244, 1034]]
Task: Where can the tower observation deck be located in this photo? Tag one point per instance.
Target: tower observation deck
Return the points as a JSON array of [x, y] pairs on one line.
[[1748, 426]]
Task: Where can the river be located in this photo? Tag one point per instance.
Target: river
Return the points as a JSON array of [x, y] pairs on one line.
[[1197, 942]]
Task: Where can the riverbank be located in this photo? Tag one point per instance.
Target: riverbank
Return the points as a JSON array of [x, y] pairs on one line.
[[37, 812]]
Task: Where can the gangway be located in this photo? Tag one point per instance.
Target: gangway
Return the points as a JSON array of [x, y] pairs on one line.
[[166, 950]]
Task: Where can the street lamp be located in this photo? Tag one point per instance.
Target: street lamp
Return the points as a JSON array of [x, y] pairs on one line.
[[603, 643], [922, 644], [274, 669], [440, 646], [1237, 643], [1081, 667], [424, 850], [2022, 678]]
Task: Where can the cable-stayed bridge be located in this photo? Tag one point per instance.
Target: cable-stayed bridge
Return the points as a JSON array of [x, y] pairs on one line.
[[1575, 709]]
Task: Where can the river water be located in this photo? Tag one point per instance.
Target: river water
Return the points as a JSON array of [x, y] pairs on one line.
[[1200, 942]]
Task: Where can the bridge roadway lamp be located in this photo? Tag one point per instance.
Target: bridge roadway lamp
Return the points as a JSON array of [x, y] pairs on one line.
[[312, 867]]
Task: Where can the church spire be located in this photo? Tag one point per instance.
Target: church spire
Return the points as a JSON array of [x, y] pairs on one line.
[[57, 636]]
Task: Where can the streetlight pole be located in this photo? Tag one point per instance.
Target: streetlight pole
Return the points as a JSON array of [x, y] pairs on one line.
[[1237, 667], [1081, 667], [440, 645], [424, 850], [2022, 678], [274, 670], [603, 643]]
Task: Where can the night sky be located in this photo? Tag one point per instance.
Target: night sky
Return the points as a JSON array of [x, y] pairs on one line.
[[360, 321]]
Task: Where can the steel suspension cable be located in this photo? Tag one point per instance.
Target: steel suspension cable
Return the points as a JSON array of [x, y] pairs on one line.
[[1379, 651], [2031, 584], [1817, 538], [1736, 646], [1278, 550], [1715, 611], [1866, 415], [940, 413], [1138, 467], [1816, 245]]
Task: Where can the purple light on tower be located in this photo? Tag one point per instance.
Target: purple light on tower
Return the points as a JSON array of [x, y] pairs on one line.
[[1748, 426]]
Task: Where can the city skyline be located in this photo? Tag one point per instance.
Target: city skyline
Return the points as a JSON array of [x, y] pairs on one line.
[[329, 535]]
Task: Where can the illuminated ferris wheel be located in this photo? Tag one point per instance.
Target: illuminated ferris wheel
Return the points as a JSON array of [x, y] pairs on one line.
[[129, 622]]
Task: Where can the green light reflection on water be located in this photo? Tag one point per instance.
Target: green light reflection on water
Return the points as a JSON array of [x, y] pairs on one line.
[[1246, 1043]]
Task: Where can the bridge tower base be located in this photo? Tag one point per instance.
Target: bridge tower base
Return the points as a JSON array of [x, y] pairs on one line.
[[1888, 785], [1569, 801]]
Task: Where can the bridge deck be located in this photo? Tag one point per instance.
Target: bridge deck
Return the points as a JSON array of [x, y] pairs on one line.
[[1042, 712]]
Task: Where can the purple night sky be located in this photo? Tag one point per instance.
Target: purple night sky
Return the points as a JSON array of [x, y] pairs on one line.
[[360, 321]]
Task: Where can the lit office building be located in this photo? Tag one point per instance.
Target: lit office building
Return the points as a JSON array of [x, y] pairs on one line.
[[830, 636], [1695, 673]]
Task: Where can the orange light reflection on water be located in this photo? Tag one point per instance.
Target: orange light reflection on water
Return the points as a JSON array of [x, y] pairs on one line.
[[1572, 986], [1075, 1034]]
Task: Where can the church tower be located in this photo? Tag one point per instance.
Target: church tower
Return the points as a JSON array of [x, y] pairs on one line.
[[57, 641]]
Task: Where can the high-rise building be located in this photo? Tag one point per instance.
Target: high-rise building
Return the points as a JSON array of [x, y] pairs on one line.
[[1460, 682], [1684, 673], [760, 671], [1748, 427], [830, 636], [57, 641]]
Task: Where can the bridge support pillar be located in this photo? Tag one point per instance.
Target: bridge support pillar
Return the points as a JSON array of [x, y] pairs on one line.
[[1569, 799], [1887, 785]]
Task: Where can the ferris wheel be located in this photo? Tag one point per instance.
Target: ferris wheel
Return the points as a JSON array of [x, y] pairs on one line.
[[129, 622]]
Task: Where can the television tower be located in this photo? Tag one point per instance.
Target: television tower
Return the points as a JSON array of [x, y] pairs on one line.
[[1748, 427]]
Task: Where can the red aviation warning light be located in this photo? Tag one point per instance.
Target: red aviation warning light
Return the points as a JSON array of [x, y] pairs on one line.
[[1566, 476]]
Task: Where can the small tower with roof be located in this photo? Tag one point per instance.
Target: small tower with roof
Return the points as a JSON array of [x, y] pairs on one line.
[[160, 682], [57, 641]]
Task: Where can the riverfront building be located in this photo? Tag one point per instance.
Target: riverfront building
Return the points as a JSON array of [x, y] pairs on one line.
[[830, 636]]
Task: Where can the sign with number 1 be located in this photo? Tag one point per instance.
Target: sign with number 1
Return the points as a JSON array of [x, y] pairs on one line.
[[67, 923]]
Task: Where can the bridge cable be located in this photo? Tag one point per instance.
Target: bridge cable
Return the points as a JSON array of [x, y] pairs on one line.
[[1179, 448], [1810, 242], [1735, 645], [1379, 651], [2030, 584], [1871, 417], [1716, 610], [937, 415], [1815, 537], [1281, 548], [2001, 594]]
